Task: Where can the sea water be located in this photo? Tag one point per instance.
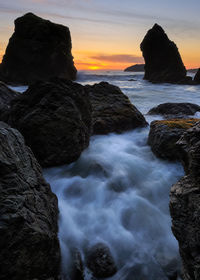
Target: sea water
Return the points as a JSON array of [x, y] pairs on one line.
[[117, 192]]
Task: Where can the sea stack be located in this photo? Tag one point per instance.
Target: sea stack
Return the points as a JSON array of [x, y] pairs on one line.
[[197, 77], [163, 62], [38, 50]]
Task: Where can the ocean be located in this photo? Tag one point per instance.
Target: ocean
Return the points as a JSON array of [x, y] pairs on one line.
[[117, 192]]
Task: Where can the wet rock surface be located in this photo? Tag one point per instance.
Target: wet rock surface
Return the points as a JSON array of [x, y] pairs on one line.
[[163, 62], [100, 261], [111, 110], [38, 49], [175, 109], [77, 269], [28, 214], [185, 204], [164, 134], [55, 119]]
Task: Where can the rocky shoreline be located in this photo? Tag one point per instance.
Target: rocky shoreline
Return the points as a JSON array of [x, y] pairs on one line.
[[51, 124]]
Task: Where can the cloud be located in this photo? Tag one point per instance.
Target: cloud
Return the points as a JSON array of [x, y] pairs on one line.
[[85, 63], [118, 58]]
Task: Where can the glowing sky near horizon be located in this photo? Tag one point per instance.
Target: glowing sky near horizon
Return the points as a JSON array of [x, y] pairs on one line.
[[106, 34]]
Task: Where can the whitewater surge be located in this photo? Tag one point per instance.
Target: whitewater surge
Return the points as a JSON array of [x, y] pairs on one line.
[[117, 192]]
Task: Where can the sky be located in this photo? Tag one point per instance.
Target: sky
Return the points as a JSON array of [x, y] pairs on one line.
[[106, 34]]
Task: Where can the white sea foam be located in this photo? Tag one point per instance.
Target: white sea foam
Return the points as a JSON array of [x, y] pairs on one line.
[[118, 191]]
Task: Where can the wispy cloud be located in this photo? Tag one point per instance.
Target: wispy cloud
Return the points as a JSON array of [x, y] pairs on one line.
[[118, 58]]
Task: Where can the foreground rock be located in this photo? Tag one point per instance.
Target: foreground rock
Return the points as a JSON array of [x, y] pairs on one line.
[[197, 77], [38, 49], [112, 110], [185, 204], [175, 109], [100, 261], [28, 217], [6, 96], [135, 68], [55, 119], [163, 136], [163, 62]]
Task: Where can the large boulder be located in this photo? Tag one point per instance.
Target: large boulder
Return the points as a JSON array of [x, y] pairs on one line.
[[164, 134], [38, 49], [55, 119], [111, 110], [189, 145], [163, 62], [197, 77], [169, 110], [28, 214], [185, 205], [100, 261], [135, 68], [6, 96]]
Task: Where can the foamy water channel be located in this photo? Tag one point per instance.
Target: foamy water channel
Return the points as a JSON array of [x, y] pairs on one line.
[[118, 191]]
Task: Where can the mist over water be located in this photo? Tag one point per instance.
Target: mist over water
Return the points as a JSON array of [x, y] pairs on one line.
[[117, 192]]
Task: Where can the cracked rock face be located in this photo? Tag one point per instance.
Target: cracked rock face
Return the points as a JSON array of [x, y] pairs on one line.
[[28, 214], [185, 204], [6, 96], [164, 135]]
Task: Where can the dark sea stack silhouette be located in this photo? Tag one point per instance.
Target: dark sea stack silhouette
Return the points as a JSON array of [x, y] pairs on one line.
[[6, 96], [164, 134], [178, 110], [28, 217], [112, 111], [38, 49], [163, 62], [55, 119], [185, 204], [197, 77], [135, 68]]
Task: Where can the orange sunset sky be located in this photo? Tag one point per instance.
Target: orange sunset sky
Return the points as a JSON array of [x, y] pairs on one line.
[[106, 34]]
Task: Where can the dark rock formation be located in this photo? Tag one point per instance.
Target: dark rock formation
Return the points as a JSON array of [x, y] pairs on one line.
[[197, 77], [100, 261], [38, 49], [175, 109], [77, 270], [55, 119], [6, 96], [189, 145], [112, 110], [163, 62], [135, 68], [163, 136], [28, 214], [185, 205]]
